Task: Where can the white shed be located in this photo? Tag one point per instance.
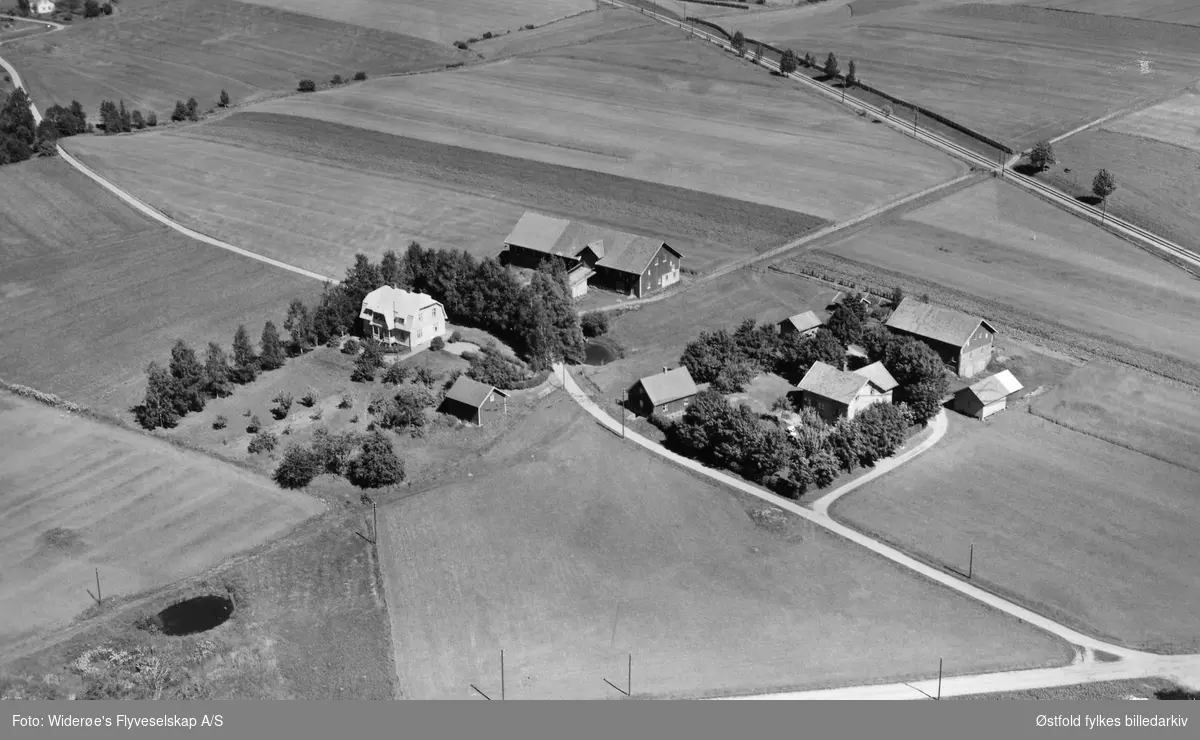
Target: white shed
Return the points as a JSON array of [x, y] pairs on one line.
[[988, 396]]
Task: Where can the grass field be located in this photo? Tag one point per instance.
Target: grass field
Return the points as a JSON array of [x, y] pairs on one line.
[[437, 20], [1155, 156], [567, 32], [556, 552], [91, 292], [314, 193], [1023, 264], [1167, 11], [156, 52], [1089, 533], [1131, 409], [1012, 72], [1143, 688], [310, 623], [79, 495]]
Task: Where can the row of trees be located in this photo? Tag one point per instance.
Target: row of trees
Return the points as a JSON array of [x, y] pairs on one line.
[[1042, 157], [117, 119], [307, 85], [186, 384], [367, 460], [21, 138]]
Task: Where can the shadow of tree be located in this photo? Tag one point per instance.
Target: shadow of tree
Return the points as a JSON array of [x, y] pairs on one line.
[[1091, 200], [1026, 169]]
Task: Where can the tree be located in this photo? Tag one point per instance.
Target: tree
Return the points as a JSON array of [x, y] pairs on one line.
[[91, 9], [494, 369], [846, 443], [395, 374], [739, 43], [797, 354], [107, 8], [283, 404], [189, 377], [831, 68], [1042, 156], [823, 468], [264, 441], [193, 109], [18, 131], [298, 467], [758, 344], [707, 356], [391, 269], [925, 398], [437, 345], [245, 361], [46, 137], [272, 357], [548, 323], [335, 80], [157, 408], [360, 76], [218, 375], [594, 323], [137, 120], [846, 321], [152, 119], [306, 86], [810, 61], [851, 74], [787, 62], [364, 369], [376, 465], [299, 327], [406, 409], [23, 7], [332, 450], [223, 101], [181, 112], [124, 120], [1103, 185], [876, 340]]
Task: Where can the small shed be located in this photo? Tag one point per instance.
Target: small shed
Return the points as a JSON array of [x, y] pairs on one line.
[[469, 400], [804, 324], [988, 396], [667, 393]]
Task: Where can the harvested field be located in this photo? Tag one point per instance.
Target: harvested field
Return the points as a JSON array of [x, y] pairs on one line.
[[436, 20], [1141, 412], [647, 104], [68, 246], [1020, 262], [567, 32], [314, 193], [707, 592], [1091, 534], [80, 494], [1012, 72], [1170, 122], [157, 52], [1167, 11], [310, 622]]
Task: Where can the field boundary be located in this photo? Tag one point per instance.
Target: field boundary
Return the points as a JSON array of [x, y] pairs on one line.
[[1108, 440]]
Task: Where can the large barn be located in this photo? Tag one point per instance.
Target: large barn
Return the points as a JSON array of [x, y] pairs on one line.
[[606, 258], [963, 341]]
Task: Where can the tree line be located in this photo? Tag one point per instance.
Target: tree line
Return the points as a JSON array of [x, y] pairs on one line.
[[21, 138]]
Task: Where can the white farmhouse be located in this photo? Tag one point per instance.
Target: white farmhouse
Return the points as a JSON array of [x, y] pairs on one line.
[[42, 7], [398, 317]]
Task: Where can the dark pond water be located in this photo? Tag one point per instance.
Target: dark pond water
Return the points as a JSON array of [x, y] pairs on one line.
[[598, 354]]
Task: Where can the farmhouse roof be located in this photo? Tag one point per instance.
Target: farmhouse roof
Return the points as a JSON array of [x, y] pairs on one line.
[[471, 392], [934, 322], [669, 386], [395, 305], [1000, 385], [829, 382], [805, 321], [879, 375], [614, 249]]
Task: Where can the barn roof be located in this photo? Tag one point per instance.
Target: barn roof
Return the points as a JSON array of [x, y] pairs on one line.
[[829, 382], [935, 322], [395, 305], [614, 249], [879, 375], [669, 386], [805, 321], [471, 392], [1000, 385]]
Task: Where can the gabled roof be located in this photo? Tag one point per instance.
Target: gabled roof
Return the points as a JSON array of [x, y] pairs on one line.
[[1000, 385], [669, 386], [934, 322], [537, 232], [614, 249], [829, 382], [805, 321], [879, 375], [471, 392], [395, 305]]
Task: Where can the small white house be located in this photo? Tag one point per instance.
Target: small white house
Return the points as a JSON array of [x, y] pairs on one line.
[[398, 317], [988, 396], [42, 7]]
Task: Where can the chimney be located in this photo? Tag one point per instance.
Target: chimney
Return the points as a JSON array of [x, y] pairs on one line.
[[845, 363], [664, 368]]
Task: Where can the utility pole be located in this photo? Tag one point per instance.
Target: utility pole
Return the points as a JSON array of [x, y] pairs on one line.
[[939, 694], [99, 596], [374, 524], [624, 405], [629, 678], [971, 562], [502, 675]]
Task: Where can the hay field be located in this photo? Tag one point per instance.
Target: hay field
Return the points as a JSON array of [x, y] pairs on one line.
[[91, 292], [569, 551], [1166, 11], [1130, 409], [650, 105], [440, 21], [1013, 72], [1027, 266], [158, 51], [1095, 535], [566, 32], [79, 495]]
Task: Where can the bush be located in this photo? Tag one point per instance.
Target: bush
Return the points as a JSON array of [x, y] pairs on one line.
[[425, 377], [297, 468], [487, 34], [316, 415], [886, 111], [376, 465], [264, 441], [283, 404], [360, 76], [364, 370], [529, 26], [151, 119], [396, 373], [460, 45], [307, 86], [472, 40], [309, 399], [456, 336], [254, 425], [438, 344], [220, 422], [335, 80], [494, 369], [351, 347], [594, 323], [347, 401]]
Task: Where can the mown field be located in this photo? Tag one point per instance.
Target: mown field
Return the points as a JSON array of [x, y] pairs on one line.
[[1094, 535], [566, 32], [156, 52], [1167, 11], [313, 193], [436, 20], [91, 292], [310, 622], [1154, 155], [1012, 72], [1020, 262], [1131, 409], [80, 495], [554, 552]]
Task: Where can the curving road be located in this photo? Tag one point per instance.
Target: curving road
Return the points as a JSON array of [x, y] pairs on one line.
[[1129, 664]]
